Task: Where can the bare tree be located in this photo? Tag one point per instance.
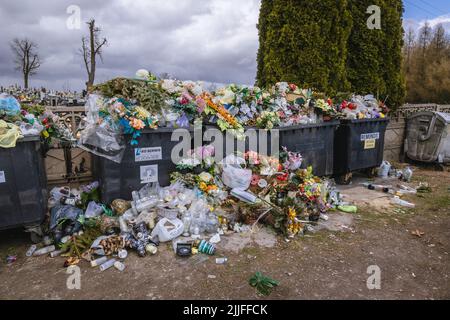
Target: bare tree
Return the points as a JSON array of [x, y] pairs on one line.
[[410, 40], [26, 58], [91, 48]]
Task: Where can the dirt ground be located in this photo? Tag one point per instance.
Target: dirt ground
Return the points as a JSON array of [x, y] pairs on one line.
[[321, 265]]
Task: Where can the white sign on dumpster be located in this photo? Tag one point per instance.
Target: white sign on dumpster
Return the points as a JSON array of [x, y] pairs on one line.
[[2, 177], [370, 136], [149, 174], [147, 154]]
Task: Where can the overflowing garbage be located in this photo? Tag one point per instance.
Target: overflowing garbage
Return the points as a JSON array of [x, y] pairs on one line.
[[18, 121], [129, 106], [208, 198], [202, 205]]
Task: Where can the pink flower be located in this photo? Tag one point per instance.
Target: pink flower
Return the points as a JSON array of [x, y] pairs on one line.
[[201, 104], [253, 157]]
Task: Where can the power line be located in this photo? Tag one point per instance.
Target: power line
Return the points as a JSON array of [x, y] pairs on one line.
[[431, 6], [421, 8]]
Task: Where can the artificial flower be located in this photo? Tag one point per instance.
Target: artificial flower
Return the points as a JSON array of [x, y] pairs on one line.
[[142, 74]]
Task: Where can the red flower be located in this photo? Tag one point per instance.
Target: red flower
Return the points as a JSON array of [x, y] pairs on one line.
[[330, 102], [255, 180], [283, 177], [293, 87]]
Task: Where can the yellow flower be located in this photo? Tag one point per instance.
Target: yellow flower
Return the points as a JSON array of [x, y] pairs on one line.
[[142, 113], [203, 186]]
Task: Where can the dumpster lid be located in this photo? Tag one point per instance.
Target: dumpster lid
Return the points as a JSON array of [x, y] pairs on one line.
[[444, 117], [29, 139]]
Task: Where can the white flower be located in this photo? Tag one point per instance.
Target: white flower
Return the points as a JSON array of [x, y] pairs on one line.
[[205, 177], [228, 97], [197, 89], [142, 74]]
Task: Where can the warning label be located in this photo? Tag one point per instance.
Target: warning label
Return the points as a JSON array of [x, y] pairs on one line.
[[147, 154], [149, 174], [370, 144]]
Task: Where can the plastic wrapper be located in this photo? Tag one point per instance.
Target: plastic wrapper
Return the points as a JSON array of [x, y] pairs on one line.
[[93, 210], [29, 129], [101, 136], [235, 177], [9, 105]]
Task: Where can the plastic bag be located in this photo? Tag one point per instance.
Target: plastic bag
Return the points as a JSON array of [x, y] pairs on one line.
[[29, 129], [66, 212], [168, 230], [384, 169], [93, 210], [101, 136], [9, 105], [235, 177], [104, 140], [9, 133]]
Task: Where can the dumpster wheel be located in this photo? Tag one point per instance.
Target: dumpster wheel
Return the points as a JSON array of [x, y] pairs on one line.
[[344, 179]]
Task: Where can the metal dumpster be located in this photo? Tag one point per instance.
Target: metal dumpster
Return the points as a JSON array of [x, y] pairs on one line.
[[315, 143], [359, 145], [149, 161], [428, 137], [23, 184]]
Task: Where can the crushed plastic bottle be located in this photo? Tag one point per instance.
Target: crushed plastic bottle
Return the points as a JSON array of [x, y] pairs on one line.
[[396, 200]]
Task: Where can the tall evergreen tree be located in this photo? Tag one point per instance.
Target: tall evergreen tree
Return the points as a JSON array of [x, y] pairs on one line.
[[375, 55], [304, 42], [266, 8], [391, 56]]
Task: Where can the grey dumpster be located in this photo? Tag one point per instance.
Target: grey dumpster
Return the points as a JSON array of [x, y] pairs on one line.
[[23, 184], [428, 137]]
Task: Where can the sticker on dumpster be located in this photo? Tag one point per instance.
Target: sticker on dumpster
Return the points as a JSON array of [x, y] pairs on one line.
[[147, 154], [149, 174], [370, 136], [2, 177], [370, 144]]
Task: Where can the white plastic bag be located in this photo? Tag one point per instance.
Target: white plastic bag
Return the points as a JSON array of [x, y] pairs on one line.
[[167, 230], [235, 177]]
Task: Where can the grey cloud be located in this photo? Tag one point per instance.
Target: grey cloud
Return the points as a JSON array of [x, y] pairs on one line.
[[214, 41]]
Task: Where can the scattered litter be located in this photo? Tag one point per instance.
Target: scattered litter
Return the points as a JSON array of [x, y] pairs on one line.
[[108, 264], [396, 200], [221, 260], [44, 251], [31, 250], [418, 233], [119, 266], [11, 259]]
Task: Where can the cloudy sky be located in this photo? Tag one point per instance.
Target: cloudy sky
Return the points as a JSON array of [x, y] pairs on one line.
[[209, 40]]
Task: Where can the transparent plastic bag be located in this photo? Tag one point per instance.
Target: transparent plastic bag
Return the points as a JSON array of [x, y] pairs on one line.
[[28, 129], [101, 136], [93, 210], [104, 139], [235, 177]]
